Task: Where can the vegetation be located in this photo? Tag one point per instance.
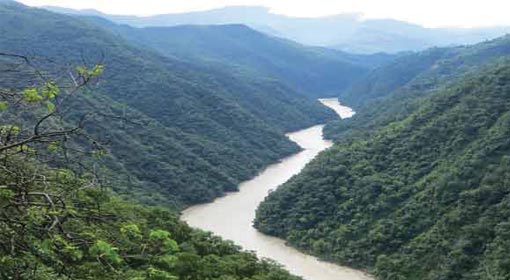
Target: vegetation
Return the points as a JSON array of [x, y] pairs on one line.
[[314, 72], [425, 197], [98, 236], [59, 222], [197, 134], [392, 92]]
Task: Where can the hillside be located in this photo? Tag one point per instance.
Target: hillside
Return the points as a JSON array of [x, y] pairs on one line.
[[425, 197], [202, 125], [241, 50], [389, 93], [423, 69], [101, 237], [58, 218]]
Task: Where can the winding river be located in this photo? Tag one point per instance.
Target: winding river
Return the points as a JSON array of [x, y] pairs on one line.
[[231, 216]]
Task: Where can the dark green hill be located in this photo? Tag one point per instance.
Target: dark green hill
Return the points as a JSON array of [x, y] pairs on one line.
[[59, 220], [424, 197], [423, 69], [314, 71], [203, 124], [390, 92]]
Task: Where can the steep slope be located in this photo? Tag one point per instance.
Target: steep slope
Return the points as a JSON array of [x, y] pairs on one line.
[[59, 220], [386, 79], [427, 68], [389, 93], [198, 126], [347, 32], [426, 197], [314, 71]]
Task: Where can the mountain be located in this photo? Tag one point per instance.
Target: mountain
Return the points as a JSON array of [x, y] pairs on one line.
[[315, 72], [435, 65], [347, 32], [59, 219], [389, 93], [421, 192], [201, 135]]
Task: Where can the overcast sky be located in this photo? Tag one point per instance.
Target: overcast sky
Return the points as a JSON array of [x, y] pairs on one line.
[[431, 13]]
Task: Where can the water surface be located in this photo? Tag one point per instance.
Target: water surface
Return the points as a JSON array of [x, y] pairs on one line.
[[231, 216]]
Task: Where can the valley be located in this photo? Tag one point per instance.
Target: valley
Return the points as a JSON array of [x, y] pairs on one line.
[[194, 146], [231, 216]]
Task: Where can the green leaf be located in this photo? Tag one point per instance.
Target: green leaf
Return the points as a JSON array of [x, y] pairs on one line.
[[32, 95], [104, 250], [4, 106], [50, 106], [131, 231], [82, 70], [6, 195], [53, 146], [97, 70], [156, 274], [50, 90], [161, 239]]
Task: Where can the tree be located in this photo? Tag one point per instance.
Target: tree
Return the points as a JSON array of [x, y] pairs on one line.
[[33, 196]]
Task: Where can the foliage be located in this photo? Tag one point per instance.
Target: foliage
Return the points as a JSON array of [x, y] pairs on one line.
[[102, 237], [177, 133], [315, 72], [424, 70], [57, 219], [424, 197], [394, 91]]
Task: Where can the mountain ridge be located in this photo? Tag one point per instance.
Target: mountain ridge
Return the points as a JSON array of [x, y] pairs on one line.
[[347, 32], [195, 113], [313, 71]]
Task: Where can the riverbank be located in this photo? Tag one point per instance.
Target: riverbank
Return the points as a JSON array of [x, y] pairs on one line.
[[231, 216]]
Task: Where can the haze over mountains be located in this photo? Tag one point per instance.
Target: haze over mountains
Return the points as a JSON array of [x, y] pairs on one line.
[[347, 32]]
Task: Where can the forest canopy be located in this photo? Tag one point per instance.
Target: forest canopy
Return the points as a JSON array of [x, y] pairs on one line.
[[57, 219], [424, 197]]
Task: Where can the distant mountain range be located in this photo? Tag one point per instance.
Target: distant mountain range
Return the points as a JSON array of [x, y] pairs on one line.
[[314, 71], [347, 32]]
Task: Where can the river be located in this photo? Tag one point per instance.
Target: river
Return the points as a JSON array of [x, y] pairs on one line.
[[231, 216]]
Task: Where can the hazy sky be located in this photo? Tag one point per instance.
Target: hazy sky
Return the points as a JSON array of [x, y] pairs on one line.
[[431, 13]]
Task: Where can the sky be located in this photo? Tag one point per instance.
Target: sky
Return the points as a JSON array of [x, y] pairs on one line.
[[429, 13]]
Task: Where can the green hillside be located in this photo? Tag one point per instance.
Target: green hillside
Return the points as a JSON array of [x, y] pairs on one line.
[[58, 219], [390, 92], [200, 134], [423, 70], [424, 197], [101, 237], [315, 72]]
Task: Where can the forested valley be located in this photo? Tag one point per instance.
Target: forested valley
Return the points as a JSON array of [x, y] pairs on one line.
[[108, 132], [93, 125], [198, 132], [416, 186], [74, 159]]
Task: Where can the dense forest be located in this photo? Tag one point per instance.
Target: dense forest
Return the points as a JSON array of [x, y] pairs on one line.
[[420, 189], [198, 132], [61, 222], [107, 131], [423, 70], [315, 72], [389, 92]]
